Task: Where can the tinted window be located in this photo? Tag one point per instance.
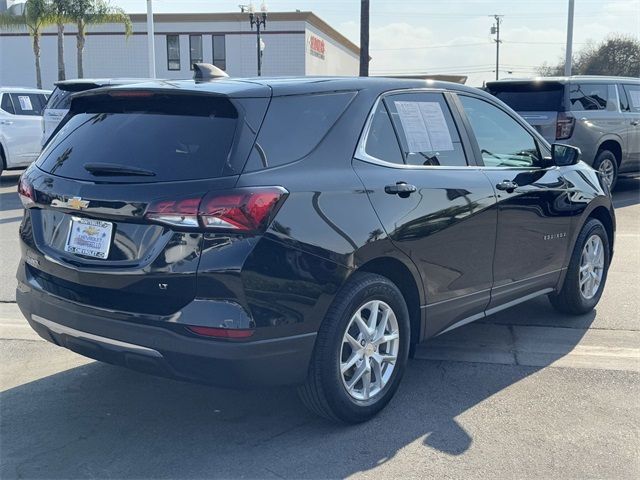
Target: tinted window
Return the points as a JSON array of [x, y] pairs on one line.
[[530, 97], [502, 140], [382, 142], [28, 103], [177, 138], [173, 52], [195, 50], [428, 134], [588, 96], [219, 51], [633, 97], [295, 124], [6, 104], [59, 99]]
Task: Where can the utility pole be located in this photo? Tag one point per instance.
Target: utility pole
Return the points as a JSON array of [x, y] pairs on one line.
[[569, 54], [495, 30], [257, 20], [364, 38], [151, 48]]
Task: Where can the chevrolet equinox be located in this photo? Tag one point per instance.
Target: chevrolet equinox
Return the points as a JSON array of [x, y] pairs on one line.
[[306, 231]]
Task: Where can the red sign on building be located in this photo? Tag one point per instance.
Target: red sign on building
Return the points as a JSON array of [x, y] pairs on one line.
[[316, 47]]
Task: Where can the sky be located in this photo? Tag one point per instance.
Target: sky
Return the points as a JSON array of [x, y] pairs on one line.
[[451, 36]]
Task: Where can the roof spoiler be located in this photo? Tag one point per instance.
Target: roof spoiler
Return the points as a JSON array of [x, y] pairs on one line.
[[206, 71]]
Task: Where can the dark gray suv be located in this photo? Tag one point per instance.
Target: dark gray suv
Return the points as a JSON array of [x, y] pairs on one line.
[[599, 115]]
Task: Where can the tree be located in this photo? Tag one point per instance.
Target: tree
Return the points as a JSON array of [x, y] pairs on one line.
[[35, 16], [617, 55], [60, 14], [94, 12]]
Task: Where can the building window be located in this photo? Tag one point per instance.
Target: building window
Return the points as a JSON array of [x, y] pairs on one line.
[[195, 50], [219, 51], [173, 52]]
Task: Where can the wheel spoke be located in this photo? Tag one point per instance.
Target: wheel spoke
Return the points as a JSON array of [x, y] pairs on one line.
[[353, 343], [362, 326], [357, 375], [366, 382], [355, 356], [384, 358], [376, 368], [373, 316], [387, 338], [382, 326]]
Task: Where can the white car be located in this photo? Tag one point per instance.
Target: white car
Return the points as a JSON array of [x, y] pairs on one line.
[[20, 125], [60, 100]]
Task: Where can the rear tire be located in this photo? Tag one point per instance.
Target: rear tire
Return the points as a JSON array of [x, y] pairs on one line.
[[338, 393], [585, 278], [607, 164]]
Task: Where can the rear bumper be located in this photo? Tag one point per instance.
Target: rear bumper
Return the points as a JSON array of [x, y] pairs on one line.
[[162, 351]]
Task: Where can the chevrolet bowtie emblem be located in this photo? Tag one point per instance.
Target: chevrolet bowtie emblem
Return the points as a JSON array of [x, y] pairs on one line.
[[76, 203]]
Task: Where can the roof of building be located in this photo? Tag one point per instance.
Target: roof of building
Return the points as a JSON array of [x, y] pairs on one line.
[[299, 16]]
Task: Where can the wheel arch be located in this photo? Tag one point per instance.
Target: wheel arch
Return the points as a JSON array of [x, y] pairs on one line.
[[604, 216], [403, 278], [614, 145]]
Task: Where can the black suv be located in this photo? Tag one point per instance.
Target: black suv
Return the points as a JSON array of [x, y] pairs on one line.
[[300, 231]]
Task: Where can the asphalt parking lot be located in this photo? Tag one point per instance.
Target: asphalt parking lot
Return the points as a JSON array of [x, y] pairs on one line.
[[527, 393]]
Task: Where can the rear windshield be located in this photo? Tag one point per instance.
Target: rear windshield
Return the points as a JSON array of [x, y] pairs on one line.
[[530, 97], [168, 138]]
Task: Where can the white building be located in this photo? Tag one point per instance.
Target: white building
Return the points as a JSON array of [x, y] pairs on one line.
[[296, 43]]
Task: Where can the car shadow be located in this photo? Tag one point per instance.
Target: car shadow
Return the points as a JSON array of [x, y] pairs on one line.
[[627, 192], [102, 421]]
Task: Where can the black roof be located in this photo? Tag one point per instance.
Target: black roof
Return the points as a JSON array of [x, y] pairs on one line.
[[278, 86]]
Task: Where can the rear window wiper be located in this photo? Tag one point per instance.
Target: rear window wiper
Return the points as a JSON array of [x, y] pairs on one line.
[[116, 169]]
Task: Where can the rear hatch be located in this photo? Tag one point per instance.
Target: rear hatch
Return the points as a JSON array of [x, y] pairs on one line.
[[539, 103], [115, 221]]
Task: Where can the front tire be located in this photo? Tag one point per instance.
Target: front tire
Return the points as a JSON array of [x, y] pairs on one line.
[[360, 353], [587, 272]]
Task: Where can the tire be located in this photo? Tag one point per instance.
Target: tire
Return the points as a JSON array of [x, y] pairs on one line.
[[326, 392], [2, 161], [571, 298], [607, 164]]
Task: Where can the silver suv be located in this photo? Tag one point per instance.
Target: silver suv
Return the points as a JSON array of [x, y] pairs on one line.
[[600, 115]]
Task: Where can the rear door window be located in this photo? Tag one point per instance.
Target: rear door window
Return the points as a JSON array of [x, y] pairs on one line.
[[30, 104], [6, 104], [428, 134], [382, 142], [294, 126], [633, 97], [530, 97], [585, 96], [173, 137]]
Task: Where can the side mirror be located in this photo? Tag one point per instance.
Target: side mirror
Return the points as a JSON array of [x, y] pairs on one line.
[[563, 155]]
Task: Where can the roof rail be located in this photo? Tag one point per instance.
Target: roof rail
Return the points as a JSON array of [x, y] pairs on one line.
[[206, 71]]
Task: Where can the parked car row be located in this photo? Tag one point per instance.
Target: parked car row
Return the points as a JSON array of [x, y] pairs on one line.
[[299, 231]]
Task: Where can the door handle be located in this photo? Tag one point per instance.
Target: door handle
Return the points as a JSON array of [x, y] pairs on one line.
[[402, 189], [507, 185], [6, 122], [635, 123]]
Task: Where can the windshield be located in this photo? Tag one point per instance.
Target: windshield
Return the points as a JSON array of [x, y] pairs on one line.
[[172, 138], [530, 97]]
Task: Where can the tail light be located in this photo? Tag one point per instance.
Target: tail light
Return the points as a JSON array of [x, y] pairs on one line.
[[564, 126], [244, 210], [26, 193]]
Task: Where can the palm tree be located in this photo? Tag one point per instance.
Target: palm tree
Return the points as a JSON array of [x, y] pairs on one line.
[[35, 16], [59, 12], [94, 12]]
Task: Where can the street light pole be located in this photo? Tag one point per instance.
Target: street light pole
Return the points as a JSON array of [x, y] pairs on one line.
[[151, 49], [568, 53], [258, 20], [495, 30]]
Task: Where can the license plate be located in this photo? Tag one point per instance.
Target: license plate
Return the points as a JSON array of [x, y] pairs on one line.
[[91, 238]]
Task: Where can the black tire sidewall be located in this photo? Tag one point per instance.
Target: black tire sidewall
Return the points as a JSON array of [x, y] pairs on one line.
[[365, 288]]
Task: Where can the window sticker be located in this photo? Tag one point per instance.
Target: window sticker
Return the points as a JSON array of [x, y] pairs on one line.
[[25, 103], [425, 126], [635, 98]]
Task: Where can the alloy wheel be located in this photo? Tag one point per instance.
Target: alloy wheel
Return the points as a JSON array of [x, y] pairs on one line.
[[591, 267], [607, 169], [369, 350]]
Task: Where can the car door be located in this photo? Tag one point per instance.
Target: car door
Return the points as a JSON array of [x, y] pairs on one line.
[[534, 210], [630, 106], [22, 127], [433, 202]]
